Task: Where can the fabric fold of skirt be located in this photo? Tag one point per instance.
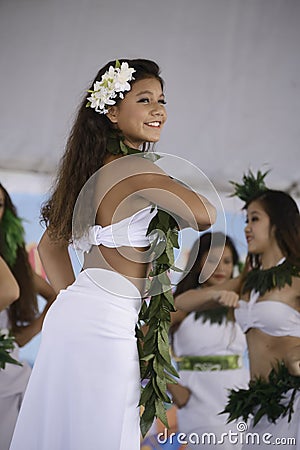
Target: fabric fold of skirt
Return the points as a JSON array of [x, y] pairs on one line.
[[84, 390]]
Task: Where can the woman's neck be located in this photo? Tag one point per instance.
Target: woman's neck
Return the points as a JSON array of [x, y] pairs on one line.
[[271, 257]]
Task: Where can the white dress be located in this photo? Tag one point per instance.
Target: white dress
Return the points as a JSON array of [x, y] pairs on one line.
[[13, 382], [84, 390], [209, 389]]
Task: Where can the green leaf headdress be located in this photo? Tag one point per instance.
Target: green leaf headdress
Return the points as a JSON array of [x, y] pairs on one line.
[[251, 187], [13, 233]]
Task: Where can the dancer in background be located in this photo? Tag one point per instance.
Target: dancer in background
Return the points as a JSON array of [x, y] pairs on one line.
[[267, 302], [209, 345], [21, 317], [9, 291], [88, 357]]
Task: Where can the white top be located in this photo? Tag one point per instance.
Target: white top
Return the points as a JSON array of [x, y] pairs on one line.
[[130, 232], [198, 338], [270, 316]]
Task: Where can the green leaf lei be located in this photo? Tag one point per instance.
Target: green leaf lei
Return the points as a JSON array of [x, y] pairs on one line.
[[268, 279], [156, 365], [6, 346], [264, 397], [13, 232], [153, 347], [214, 315], [116, 146]]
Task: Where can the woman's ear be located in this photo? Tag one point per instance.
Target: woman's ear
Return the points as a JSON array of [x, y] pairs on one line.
[[112, 114], [273, 230]]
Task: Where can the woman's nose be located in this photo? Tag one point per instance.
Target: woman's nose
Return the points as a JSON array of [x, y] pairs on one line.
[[158, 110]]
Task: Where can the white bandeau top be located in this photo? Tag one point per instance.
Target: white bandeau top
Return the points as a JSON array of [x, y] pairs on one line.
[[198, 338], [272, 317], [130, 232]]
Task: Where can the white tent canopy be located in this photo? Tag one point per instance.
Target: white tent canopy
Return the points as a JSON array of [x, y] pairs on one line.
[[232, 72]]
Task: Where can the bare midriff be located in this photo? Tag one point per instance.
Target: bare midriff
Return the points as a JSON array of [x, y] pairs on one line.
[[266, 351], [131, 262]]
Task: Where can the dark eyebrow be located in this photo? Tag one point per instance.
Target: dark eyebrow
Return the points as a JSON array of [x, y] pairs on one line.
[[149, 92]]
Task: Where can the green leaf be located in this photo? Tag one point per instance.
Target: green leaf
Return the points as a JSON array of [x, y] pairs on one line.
[[148, 357], [161, 412], [147, 418]]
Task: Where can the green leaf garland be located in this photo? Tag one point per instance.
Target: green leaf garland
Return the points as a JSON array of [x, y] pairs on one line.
[[213, 315], [268, 279], [13, 232], [154, 350], [264, 397], [116, 146]]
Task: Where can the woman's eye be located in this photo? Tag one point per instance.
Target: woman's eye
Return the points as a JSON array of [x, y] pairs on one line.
[[147, 100], [252, 219], [228, 261]]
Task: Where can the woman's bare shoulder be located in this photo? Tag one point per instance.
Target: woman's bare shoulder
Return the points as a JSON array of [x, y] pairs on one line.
[[146, 163]]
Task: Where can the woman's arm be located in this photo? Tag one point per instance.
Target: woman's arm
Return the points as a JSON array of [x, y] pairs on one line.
[[9, 288], [176, 318], [226, 294], [24, 334], [180, 394], [56, 262], [43, 288], [157, 187]]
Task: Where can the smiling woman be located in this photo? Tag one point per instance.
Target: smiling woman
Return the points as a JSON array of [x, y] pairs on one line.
[[105, 199], [142, 113]]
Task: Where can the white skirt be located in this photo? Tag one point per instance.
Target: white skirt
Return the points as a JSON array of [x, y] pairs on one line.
[[282, 434], [13, 382], [84, 390], [200, 419]]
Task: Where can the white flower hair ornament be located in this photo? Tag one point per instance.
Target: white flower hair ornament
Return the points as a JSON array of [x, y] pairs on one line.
[[113, 83]]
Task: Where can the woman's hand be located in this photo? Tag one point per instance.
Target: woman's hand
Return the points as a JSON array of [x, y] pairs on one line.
[[227, 298], [210, 297], [180, 394]]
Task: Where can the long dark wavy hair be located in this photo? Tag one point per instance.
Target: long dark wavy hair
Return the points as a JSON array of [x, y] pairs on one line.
[[24, 310], [283, 213], [197, 253], [84, 154]]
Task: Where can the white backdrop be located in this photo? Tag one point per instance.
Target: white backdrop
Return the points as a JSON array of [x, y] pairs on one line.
[[232, 71]]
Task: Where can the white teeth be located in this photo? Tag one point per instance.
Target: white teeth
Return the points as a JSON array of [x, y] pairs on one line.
[[154, 124]]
